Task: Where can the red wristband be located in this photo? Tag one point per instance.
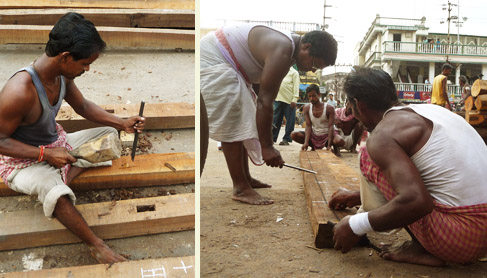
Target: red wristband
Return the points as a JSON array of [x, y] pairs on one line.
[[41, 154]]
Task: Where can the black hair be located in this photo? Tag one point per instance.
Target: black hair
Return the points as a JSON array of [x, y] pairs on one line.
[[76, 35], [313, 87], [464, 79], [323, 46], [446, 66], [374, 87]]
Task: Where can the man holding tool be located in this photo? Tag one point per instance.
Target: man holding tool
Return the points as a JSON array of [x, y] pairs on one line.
[[320, 131], [34, 148], [410, 180], [239, 63]]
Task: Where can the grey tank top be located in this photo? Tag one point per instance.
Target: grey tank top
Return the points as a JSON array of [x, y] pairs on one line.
[[43, 131]]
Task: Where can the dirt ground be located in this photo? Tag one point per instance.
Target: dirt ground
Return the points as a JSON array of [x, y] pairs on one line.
[[239, 240], [116, 77]]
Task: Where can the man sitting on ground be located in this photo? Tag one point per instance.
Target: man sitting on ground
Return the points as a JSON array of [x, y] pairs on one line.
[[349, 128], [320, 120], [415, 177]]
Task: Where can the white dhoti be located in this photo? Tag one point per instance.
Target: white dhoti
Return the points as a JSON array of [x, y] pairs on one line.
[[229, 100]]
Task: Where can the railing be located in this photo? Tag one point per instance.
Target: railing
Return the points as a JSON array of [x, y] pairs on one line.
[[434, 48], [451, 89], [372, 57], [282, 25]]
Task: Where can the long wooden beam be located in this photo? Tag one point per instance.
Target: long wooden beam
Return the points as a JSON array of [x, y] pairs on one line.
[[146, 170], [333, 173], [110, 4], [115, 37], [104, 17], [172, 267], [157, 116], [30, 228]]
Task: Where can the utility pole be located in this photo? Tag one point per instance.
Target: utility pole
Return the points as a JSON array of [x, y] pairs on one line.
[[450, 17], [324, 26]]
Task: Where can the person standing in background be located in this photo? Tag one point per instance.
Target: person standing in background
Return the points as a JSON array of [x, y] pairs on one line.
[[285, 106]]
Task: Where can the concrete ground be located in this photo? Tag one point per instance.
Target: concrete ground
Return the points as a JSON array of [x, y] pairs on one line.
[[240, 240], [117, 77]]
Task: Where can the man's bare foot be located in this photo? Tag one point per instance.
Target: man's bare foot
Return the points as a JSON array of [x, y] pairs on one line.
[[250, 196], [258, 184], [73, 173], [104, 255], [336, 151], [410, 252]]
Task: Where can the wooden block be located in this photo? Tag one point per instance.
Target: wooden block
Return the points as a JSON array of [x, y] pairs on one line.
[[173, 267], [146, 170], [333, 173], [141, 18], [479, 87], [115, 37], [477, 119], [127, 139], [481, 102], [157, 116], [30, 228], [110, 4]]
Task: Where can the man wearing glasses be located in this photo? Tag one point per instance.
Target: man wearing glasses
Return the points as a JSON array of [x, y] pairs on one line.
[[241, 70]]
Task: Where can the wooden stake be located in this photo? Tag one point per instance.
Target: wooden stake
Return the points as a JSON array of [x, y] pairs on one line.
[[148, 170], [333, 173], [140, 18], [172, 267], [110, 4], [30, 228], [157, 116], [115, 37]]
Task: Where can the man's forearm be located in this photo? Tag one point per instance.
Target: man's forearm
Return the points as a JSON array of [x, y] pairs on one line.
[[264, 121], [95, 113], [307, 134], [14, 148]]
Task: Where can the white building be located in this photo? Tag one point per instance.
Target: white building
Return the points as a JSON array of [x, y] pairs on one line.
[[410, 54]]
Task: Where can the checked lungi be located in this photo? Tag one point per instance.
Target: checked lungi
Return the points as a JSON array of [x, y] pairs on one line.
[[452, 234]]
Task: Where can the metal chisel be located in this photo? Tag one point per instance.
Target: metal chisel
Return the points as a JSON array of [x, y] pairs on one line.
[[136, 135]]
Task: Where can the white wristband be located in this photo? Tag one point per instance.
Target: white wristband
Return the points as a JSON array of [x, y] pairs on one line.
[[359, 223]]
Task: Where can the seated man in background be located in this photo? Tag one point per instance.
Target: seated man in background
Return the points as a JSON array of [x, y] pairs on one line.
[[320, 120], [349, 128]]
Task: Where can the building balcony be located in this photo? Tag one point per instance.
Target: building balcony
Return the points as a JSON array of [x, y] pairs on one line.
[[435, 49]]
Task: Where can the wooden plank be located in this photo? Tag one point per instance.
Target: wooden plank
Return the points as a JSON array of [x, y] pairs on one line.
[[30, 228], [146, 170], [157, 116], [104, 17], [110, 4], [115, 37], [333, 173], [172, 267]]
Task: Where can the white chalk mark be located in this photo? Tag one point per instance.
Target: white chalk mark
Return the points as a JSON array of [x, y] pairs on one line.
[[30, 262], [155, 272], [184, 267]]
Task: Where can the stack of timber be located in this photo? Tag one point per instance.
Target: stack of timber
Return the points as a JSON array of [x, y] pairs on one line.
[[332, 174], [153, 24], [477, 118], [117, 219]]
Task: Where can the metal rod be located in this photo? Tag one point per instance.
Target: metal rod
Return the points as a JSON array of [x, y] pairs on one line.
[[299, 168], [136, 135]]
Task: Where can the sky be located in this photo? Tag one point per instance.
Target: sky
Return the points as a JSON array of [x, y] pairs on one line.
[[350, 19]]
